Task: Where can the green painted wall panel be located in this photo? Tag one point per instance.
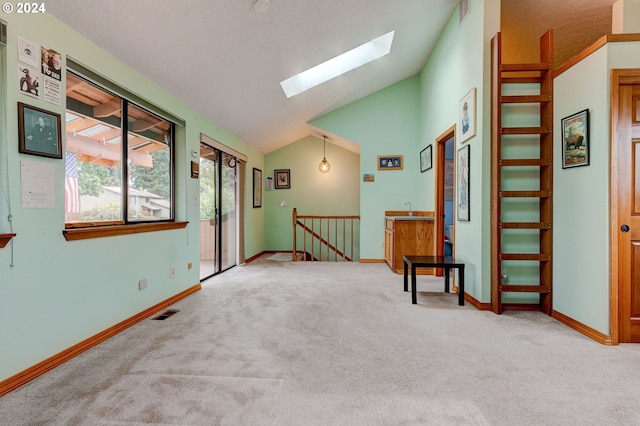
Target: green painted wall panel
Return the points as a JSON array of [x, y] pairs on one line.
[[384, 123], [312, 192], [53, 293]]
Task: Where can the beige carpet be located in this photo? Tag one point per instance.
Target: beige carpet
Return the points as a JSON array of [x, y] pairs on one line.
[[284, 257], [311, 343]]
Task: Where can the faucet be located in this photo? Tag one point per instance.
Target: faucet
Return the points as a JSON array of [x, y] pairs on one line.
[[410, 212]]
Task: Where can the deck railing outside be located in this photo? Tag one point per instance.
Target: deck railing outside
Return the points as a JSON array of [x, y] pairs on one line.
[[325, 238]]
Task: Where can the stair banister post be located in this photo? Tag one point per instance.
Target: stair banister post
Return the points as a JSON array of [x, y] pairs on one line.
[[294, 256]]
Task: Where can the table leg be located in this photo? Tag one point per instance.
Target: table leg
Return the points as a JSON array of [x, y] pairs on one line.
[[446, 279], [461, 286], [414, 297], [406, 287]]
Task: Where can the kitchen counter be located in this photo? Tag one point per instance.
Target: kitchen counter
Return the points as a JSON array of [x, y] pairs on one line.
[[406, 235], [409, 218]]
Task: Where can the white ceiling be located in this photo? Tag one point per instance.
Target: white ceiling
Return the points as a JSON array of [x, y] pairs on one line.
[[226, 60]]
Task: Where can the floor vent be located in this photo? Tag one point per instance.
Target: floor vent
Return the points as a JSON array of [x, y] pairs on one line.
[[166, 314]]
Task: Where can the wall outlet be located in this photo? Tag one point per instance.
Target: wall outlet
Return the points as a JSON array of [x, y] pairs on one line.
[[142, 284], [381, 244], [172, 272], [189, 265]]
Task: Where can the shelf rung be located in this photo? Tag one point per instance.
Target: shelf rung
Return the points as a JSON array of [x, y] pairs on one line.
[[524, 130], [542, 162], [525, 225], [540, 66], [525, 256], [520, 80], [525, 99], [525, 194], [521, 307], [516, 288]]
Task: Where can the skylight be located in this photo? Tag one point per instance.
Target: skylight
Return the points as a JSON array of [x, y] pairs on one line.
[[339, 65]]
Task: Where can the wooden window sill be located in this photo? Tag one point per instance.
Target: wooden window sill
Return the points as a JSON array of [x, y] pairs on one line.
[[73, 234], [5, 238]]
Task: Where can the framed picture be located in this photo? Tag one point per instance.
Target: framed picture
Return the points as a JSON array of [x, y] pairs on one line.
[[575, 140], [29, 81], [283, 178], [390, 162], [257, 188], [426, 156], [467, 116], [39, 132], [463, 184]]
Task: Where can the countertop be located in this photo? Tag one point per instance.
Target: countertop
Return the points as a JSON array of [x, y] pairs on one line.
[[409, 217]]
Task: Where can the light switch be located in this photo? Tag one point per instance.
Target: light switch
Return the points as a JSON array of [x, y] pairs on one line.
[[283, 203]]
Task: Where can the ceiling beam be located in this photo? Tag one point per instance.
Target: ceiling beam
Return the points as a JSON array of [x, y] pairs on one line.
[[108, 108]]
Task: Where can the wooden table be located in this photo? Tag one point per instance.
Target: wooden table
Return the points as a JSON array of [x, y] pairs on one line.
[[446, 262]]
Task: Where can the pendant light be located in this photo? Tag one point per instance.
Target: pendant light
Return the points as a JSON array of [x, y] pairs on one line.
[[324, 164]]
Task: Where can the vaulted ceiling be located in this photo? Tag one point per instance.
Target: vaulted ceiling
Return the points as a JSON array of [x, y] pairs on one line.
[[226, 59]]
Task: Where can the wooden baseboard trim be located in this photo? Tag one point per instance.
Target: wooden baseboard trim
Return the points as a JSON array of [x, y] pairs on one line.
[[255, 256], [476, 303], [42, 367], [584, 329], [371, 261]]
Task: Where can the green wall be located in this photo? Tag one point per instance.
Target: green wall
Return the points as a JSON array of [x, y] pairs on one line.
[[312, 192], [459, 62], [408, 116], [581, 237], [383, 123], [54, 293]]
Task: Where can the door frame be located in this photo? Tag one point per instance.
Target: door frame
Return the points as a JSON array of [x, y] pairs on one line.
[[440, 143], [619, 77]]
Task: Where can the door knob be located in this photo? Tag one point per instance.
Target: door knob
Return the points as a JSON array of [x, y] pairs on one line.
[[624, 228]]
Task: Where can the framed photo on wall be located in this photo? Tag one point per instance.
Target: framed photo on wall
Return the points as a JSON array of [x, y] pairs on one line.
[[575, 140], [467, 116], [257, 188], [426, 158], [283, 178], [390, 162], [39, 132], [463, 184]]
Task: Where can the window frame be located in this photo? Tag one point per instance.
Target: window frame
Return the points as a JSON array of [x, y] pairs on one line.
[[96, 229]]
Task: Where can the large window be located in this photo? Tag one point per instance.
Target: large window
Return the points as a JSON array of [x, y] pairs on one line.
[[106, 180]]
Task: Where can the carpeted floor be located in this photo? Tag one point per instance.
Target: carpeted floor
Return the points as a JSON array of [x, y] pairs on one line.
[[302, 343]]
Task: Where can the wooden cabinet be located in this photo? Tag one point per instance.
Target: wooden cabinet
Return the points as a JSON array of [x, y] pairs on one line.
[[408, 236], [388, 241]]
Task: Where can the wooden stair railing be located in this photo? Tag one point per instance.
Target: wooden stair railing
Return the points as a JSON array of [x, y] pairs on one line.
[[326, 237], [523, 152]]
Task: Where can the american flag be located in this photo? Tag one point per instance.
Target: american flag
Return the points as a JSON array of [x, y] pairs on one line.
[[71, 195]]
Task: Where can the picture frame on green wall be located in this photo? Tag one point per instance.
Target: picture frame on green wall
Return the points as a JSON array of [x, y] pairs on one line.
[[282, 178], [39, 132], [426, 157], [467, 116], [575, 140], [390, 162], [463, 212], [257, 188]]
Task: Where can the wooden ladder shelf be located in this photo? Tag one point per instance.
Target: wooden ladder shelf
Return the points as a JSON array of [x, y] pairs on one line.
[[521, 180]]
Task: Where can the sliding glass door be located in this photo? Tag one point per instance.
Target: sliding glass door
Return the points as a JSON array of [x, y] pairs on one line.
[[218, 212]]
